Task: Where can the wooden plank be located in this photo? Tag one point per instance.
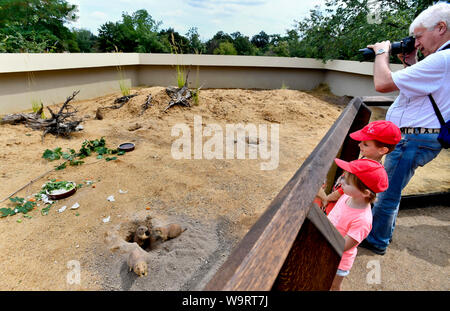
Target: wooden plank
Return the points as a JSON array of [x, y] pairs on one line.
[[256, 261], [350, 148], [326, 228], [314, 258], [331, 175]]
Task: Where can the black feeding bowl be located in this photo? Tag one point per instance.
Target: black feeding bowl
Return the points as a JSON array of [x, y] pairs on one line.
[[126, 147]]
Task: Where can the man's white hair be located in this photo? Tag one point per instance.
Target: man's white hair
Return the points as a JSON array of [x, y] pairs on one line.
[[430, 17]]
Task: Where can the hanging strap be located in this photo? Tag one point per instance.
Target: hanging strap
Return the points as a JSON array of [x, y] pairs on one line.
[[435, 106], [436, 110]]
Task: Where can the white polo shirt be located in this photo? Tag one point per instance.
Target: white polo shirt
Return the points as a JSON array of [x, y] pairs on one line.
[[413, 108]]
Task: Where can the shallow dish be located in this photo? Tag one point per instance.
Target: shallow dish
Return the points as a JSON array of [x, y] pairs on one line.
[[126, 147], [59, 194]]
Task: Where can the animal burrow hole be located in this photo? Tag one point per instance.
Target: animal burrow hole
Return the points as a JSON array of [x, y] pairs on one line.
[[139, 231], [146, 235]]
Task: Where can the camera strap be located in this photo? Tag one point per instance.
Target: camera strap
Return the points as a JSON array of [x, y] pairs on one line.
[[435, 106], [436, 110]]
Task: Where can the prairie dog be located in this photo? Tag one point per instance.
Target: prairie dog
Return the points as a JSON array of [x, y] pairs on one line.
[[137, 262], [168, 232], [142, 233]]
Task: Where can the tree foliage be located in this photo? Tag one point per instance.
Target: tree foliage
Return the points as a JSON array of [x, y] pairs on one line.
[[36, 26], [337, 30], [196, 46], [134, 33], [345, 26], [225, 48], [86, 40]]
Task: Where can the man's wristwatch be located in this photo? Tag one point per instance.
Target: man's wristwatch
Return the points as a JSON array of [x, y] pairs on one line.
[[380, 51]]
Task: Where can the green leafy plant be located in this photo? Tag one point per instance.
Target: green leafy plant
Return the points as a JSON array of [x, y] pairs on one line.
[[20, 206], [88, 147], [124, 88], [180, 69], [61, 167], [196, 92], [180, 76], [36, 106], [45, 210], [195, 95], [52, 155], [53, 184]]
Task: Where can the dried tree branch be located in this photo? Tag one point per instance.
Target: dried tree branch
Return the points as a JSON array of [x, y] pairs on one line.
[[60, 124]]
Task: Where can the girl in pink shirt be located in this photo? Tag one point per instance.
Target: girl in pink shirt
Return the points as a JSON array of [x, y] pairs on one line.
[[352, 215]]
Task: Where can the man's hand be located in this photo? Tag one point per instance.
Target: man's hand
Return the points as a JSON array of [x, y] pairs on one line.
[[381, 72], [385, 45], [410, 58]]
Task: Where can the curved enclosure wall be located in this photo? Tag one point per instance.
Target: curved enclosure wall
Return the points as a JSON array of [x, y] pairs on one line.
[[51, 78]]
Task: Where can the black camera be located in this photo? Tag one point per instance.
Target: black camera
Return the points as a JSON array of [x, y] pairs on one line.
[[405, 46]]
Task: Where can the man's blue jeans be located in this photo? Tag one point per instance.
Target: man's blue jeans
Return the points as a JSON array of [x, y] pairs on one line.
[[412, 151]]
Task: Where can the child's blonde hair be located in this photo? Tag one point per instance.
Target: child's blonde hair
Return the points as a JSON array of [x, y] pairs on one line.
[[355, 181]]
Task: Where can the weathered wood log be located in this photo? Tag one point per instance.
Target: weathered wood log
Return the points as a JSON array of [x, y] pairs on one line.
[[13, 118], [146, 104], [180, 97], [22, 117], [64, 122], [61, 123], [121, 101], [172, 90]]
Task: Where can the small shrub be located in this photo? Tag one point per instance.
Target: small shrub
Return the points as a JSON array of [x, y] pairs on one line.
[[36, 105]]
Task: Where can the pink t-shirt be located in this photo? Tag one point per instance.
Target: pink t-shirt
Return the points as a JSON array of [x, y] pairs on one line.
[[356, 223]]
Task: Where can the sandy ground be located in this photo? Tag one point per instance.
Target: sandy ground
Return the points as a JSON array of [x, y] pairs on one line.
[[217, 200]]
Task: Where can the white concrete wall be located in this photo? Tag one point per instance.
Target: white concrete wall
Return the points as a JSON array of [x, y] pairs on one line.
[[52, 77]]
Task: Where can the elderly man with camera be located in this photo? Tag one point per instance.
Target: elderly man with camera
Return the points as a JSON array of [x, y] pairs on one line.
[[419, 84]]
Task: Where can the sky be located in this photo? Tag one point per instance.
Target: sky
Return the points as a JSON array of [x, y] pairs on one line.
[[249, 17]]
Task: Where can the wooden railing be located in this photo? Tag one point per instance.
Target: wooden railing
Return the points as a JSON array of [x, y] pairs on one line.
[[293, 246]]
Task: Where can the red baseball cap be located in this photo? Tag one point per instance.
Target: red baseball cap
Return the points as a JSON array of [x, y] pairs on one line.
[[370, 172], [384, 131]]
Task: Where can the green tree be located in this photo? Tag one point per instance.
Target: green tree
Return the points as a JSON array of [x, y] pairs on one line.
[[225, 48], [261, 41], [214, 42], [146, 32], [181, 43], [37, 26], [242, 44], [345, 26], [134, 33], [196, 46], [280, 49], [109, 37], [86, 40]]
